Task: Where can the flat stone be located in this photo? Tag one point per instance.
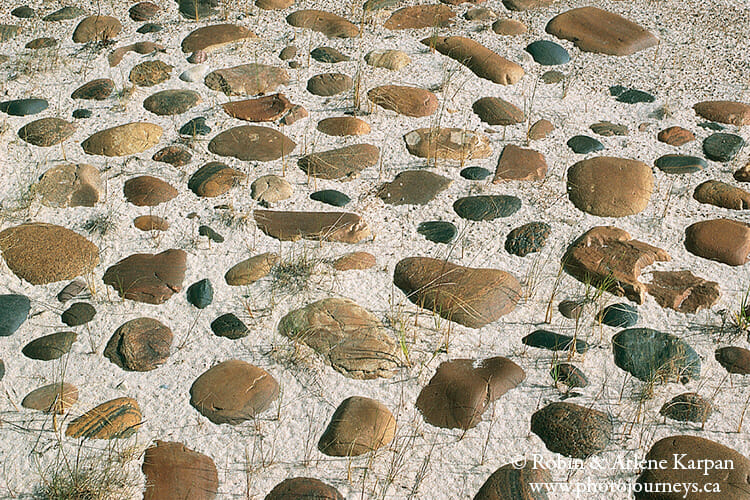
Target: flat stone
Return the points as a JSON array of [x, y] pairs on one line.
[[512, 481], [176, 156], [350, 338], [252, 143], [115, 57], [610, 187], [2, 369], [331, 197], [552, 76], [327, 23], [328, 55], [343, 163], [96, 28], [519, 164], [635, 96], [195, 127], [420, 16], [742, 174], [355, 260], [233, 391], [340, 126], [229, 326], [526, 4], [618, 315], [583, 144], [722, 195], [404, 100], [171, 102], [273, 4], [683, 291], [150, 73], [288, 52], [495, 111], [115, 419], [572, 430], [210, 234], [148, 191], [64, 14], [329, 84], [14, 309], [194, 73], [143, 11], [447, 144], [149, 278], [608, 129], [735, 359], [479, 59], [208, 38], [486, 207], [392, 59], [196, 10], [595, 30], [553, 341], [675, 136], [473, 297], [303, 487], [438, 231], [548, 53], [608, 257], [200, 294], [509, 27], [654, 356], [70, 291], [374, 5], [46, 132], [475, 173], [82, 113], [70, 185], [43, 253], [711, 126], [722, 240], [23, 12], [413, 187], [151, 223], [680, 164], [527, 238], [358, 426], [78, 314], [247, 79], [722, 147], [270, 189], [141, 344], [24, 107], [572, 309], [97, 90], [731, 112], [53, 398], [251, 270], [462, 389], [687, 407], [49, 347], [345, 227], [123, 140], [262, 109], [174, 471], [569, 375]]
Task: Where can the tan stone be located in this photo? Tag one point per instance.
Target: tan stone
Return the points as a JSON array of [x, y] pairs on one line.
[[251, 270], [123, 140], [118, 418], [211, 37], [479, 59], [345, 227]]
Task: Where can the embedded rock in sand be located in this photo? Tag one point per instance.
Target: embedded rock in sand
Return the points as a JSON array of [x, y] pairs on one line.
[[211, 37], [420, 16], [687, 407], [734, 359], [247, 79], [331, 25], [149, 278], [49, 347], [171, 102], [519, 164], [404, 100], [303, 488], [393, 60], [263, 109], [140, 345], [174, 471], [52, 398], [675, 136], [359, 425], [252, 143], [572, 430], [722, 195], [496, 111], [345, 227], [478, 58], [148, 191], [251, 270], [46, 132], [96, 28], [123, 140], [486, 207], [70, 185], [722, 240], [96, 90], [340, 126], [413, 187], [512, 481], [732, 112], [653, 356], [150, 73], [328, 84], [682, 291], [214, 179], [354, 260], [528, 238], [526, 4], [610, 187], [270, 189], [14, 309], [118, 418], [447, 144], [342, 163]]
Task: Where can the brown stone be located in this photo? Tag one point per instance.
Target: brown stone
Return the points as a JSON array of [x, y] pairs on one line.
[[247, 79], [408, 101], [722, 195], [303, 488], [462, 389], [45, 42], [343, 126], [509, 27], [722, 240], [512, 481], [46, 132], [473, 297], [123, 140], [328, 84], [209, 38], [118, 418], [447, 144], [732, 112], [342, 163], [359, 425], [331, 25], [233, 391], [96, 28], [52, 398], [734, 359], [608, 257], [172, 101], [687, 407], [675, 136], [251, 270], [115, 57], [345, 227], [608, 129], [495, 111], [479, 59], [420, 16], [273, 4], [572, 430], [43, 253], [174, 471], [270, 189], [148, 191], [150, 73], [49, 347], [214, 179], [148, 278], [518, 164], [682, 291], [70, 185], [355, 260], [296, 113], [413, 187], [97, 90], [526, 4], [263, 109], [742, 174], [252, 143], [143, 11], [151, 223], [540, 129], [391, 59], [140, 345], [176, 156]]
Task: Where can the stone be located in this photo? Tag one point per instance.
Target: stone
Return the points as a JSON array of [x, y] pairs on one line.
[[742, 174], [373, 5], [115, 57], [683, 291], [358, 426], [151, 223], [43, 253], [195, 10], [8, 32], [195, 127], [78, 314], [548, 53], [654, 356], [572, 309], [479, 14], [413, 187], [722, 147], [229, 326], [552, 76], [404, 100], [392, 59], [329, 84], [569, 375], [70, 291], [150, 73], [345, 227], [618, 315], [97, 90], [608, 257], [148, 191], [252, 143], [447, 144], [303, 488], [23, 12], [343, 125], [194, 73], [519, 164], [14, 309], [143, 11], [687, 407], [475, 173], [342, 163], [46, 132], [210, 234], [711, 126], [141, 344], [722, 240], [479, 59], [270, 188], [512, 481], [735, 359], [528, 238], [680, 164], [247, 79], [495, 111], [148, 278], [42, 43], [722, 195], [24, 107], [473, 297], [525, 4], [509, 27], [572, 430], [350, 338], [462, 389], [730, 480], [174, 471], [171, 102], [675, 136], [328, 55], [251, 270], [731, 112], [53, 398], [420, 16], [609, 129], [331, 197], [207, 38], [2, 369], [327, 23], [583, 144], [176, 156], [634, 96], [49, 347], [545, 339], [355, 260], [273, 4], [200, 294], [64, 14], [438, 231], [262, 109], [96, 29], [595, 30], [540, 129], [288, 52], [233, 391], [486, 207], [610, 187], [70, 185], [123, 140], [115, 419], [82, 113]]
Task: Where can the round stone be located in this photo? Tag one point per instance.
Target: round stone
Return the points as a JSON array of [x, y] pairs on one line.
[[229, 326], [78, 314], [618, 315], [528, 238], [475, 173], [141, 345], [438, 231], [548, 53], [200, 293]]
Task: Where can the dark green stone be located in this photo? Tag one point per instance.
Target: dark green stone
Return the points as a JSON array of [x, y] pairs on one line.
[[583, 144], [528, 238], [65, 14], [14, 309], [545, 339], [82, 113], [24, 107], [722, 147], [331, 197], [680, 164], [633, 96], [50, 346], [568, 374], [619, 315], [23, 12], [711, 126], [78, 314], [328, 55], [438, 231], [651, 355], [548, 53], [200, 293], [210, 234], [475, 173], [486, 207], [229, 326], [196, 126], [149, 28]]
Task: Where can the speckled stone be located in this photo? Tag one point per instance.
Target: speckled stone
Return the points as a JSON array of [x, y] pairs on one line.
[[528, 238]]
